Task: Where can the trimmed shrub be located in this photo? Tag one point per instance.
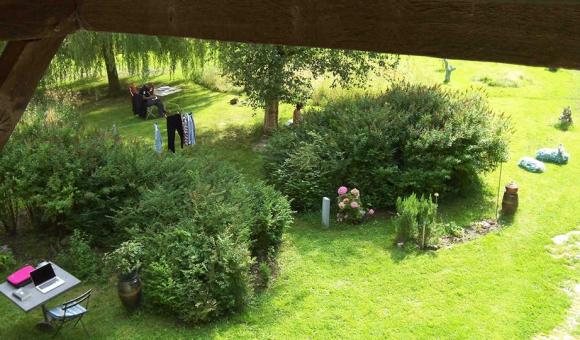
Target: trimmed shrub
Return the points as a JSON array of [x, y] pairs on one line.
[[264, 274], [417, 220], [197, 271], [407, 223], [412, 138], [271, 215], [197, 259], [80, 258], [302, 169], [202, 231], [7, 261]]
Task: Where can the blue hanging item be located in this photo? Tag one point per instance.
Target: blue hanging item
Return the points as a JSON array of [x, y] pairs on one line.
[[532, 165], [115, 132], [557, 156], [158, 141]]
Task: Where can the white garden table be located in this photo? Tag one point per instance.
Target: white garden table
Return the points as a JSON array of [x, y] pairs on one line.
[[164, 91]]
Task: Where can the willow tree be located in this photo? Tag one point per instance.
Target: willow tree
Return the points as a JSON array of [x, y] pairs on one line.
[[90, 53], [272, 74]]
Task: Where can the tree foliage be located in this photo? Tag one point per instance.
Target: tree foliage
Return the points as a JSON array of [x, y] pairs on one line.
[[271, 74], [85, 54]]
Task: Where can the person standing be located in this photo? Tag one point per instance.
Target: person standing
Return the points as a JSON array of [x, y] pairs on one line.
[[297, 115]]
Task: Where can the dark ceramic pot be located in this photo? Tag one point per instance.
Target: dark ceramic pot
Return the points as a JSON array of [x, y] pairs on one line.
[[511, 188], [129, 290], [510, 201], [509, 204]]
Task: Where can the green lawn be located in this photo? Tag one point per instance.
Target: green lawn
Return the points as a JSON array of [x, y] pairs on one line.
[[351, 281]]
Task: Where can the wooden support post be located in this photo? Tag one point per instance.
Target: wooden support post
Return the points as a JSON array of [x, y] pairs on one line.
[[22, 65]]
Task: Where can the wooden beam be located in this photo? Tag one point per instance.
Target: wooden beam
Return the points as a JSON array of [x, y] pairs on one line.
[[22, 65], [532, 32], [25, 20]]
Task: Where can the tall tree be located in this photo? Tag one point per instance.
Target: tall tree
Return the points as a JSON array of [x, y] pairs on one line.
[[272, 74], [111, 66], [89, 53]]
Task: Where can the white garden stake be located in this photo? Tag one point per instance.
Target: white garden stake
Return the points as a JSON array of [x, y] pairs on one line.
[[326, 212]]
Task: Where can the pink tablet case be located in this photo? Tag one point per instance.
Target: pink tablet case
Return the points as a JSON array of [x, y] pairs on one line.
[[21, 277]]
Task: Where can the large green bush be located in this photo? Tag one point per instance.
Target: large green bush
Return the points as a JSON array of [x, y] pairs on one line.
[[66, 178], [10, 204], [202, 231], [265, 210], [40, 169], [201, 223], [197, 271], [412, 138]]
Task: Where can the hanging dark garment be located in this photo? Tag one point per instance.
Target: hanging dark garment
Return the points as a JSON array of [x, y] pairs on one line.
[[139, 107], [174, 124]]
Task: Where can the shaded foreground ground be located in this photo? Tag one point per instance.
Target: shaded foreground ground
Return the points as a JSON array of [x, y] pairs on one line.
[[351, 281]]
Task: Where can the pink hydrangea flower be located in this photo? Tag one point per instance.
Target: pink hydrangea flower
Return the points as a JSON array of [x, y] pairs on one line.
[[355, 192], [342, 190], [371, 212], [341, 205], [353, 205]]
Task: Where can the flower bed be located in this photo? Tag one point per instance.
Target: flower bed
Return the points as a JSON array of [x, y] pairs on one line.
[[475, 230], [350, 206]]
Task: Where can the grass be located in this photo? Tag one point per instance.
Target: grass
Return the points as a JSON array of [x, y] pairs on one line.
[[351, 281]]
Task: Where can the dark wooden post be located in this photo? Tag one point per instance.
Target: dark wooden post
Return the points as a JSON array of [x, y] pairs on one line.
[[22, 65]]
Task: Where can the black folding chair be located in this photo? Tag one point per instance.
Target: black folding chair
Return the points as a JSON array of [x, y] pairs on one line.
[[72, 310]]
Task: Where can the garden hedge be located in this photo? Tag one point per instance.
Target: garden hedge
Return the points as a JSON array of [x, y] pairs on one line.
[[204, 226], [409, 139]]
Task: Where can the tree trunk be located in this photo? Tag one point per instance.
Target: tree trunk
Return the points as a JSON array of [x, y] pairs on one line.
[[111, 65], [271, 116]]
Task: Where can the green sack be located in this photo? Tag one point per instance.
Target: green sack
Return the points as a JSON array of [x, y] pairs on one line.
[[557, 156], [532, 165]]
